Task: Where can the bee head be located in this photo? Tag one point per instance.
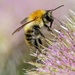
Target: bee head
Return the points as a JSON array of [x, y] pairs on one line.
[[48, 14], [48, 17]]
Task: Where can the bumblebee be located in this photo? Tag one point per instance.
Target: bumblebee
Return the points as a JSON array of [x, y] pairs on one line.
[[32, 26]]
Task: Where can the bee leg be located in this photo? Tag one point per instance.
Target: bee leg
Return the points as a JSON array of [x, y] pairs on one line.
[[37, 29], [41, 33], [51, 21], [39, 40], [36, 45], [48, 28]]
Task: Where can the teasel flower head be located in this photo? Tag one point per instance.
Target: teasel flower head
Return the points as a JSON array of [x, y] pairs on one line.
[[58, 58]]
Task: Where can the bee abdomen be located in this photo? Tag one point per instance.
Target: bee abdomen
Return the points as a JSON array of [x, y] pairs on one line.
[[29, 38], [33, 39], [28, 35]]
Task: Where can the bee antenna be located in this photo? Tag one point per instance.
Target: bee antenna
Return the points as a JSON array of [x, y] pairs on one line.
[[57, 8]]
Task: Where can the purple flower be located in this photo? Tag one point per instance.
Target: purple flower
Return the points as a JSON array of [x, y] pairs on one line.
[[59, 57]]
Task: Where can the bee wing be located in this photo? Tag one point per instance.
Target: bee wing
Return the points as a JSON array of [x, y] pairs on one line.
[[18, 29], [24, 20]]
